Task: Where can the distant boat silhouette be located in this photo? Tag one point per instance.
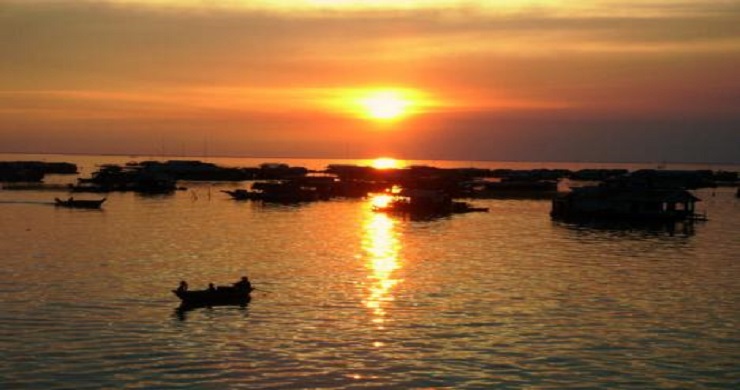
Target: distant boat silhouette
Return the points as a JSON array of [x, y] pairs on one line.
[[79, 204], [220, 296]]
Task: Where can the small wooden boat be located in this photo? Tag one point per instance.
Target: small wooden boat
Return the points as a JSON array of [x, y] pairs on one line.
[[219, 296], [241, 194], [78, 203]]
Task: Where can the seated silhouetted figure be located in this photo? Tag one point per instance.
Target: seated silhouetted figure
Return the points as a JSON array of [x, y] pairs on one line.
[[183, 286], [243, 284]]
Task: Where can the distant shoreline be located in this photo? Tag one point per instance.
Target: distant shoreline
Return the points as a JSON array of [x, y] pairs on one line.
[[657, 164]]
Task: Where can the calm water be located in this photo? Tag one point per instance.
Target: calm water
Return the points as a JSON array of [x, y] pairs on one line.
[[506, 299]]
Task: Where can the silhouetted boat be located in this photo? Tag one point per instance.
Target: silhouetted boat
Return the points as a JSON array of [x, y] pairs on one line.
[[425, 203], [78, 203], [219, 296], [241, 194]]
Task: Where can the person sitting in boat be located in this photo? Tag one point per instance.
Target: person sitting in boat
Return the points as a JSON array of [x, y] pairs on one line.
[[243, 284], [183, 286], [211, 287]]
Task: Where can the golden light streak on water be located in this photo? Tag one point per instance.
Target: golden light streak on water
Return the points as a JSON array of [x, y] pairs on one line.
[[381, 246], [380, 200]]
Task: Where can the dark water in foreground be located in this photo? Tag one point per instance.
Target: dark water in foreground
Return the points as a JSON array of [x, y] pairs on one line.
[[506, 299]]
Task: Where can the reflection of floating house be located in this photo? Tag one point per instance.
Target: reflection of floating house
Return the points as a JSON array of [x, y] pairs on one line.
[[426, 203], [625, 203]]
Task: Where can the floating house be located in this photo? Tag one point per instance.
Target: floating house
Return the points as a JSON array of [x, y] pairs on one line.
[[625, 203], [32, 171], [129, 178]]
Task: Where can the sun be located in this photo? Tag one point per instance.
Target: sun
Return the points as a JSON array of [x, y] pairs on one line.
[[385, 105], [382, 105]]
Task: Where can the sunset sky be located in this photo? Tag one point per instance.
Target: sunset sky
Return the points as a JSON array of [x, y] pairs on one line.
[[547, 80]]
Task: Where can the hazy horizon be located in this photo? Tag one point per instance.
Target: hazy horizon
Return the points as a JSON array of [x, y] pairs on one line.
[[402, 162]]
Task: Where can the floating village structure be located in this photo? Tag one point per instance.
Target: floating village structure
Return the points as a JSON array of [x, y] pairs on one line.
[[625, 200], [643, 195], [32, 171]]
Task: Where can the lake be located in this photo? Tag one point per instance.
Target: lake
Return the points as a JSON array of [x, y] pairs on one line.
[[350, 298]]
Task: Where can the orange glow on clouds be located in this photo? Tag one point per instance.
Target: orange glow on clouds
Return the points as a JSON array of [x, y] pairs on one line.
[[440, 79]]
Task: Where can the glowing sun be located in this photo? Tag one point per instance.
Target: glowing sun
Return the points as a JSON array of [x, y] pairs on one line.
[[382, 105], [385, 105]]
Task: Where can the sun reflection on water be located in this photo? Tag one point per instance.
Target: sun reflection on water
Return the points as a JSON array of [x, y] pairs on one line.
[[381, 247]]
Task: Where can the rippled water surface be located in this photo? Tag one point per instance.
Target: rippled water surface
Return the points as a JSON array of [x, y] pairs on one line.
[[351, 298]]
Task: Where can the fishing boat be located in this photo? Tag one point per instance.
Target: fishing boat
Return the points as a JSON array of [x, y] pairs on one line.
[[79, 203], [217, 296]]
